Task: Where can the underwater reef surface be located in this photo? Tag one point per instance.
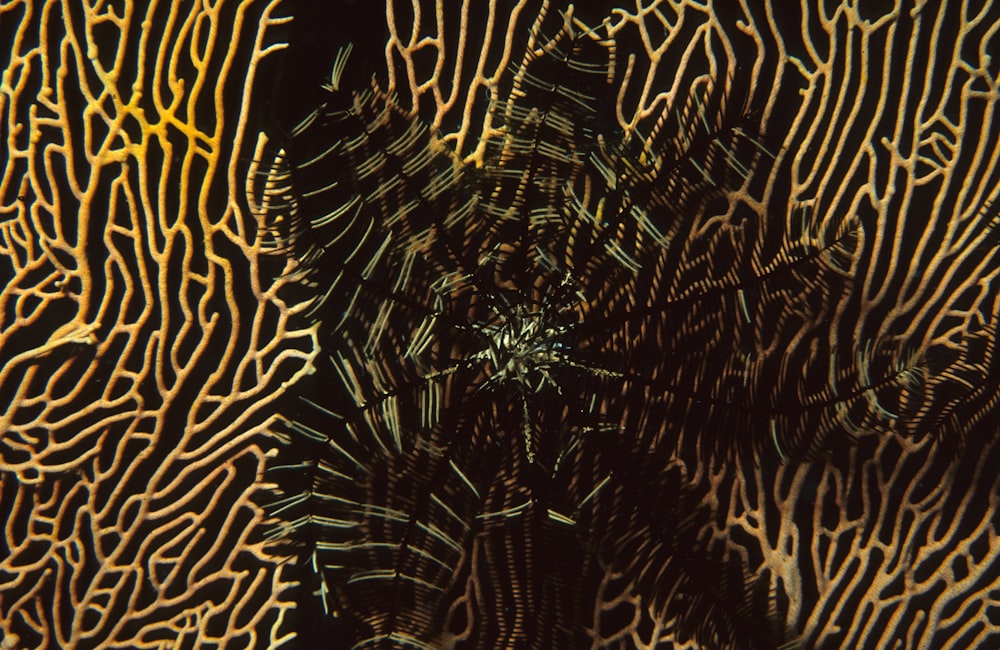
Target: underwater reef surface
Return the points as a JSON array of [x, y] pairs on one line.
[[660, 324]]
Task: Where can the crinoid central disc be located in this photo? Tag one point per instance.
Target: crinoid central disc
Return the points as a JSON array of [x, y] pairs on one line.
[[510, 351], [523, 342], [521, 348]]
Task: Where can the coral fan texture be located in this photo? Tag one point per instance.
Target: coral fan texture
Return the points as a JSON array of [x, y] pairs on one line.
[[142, 341], [667, 323]]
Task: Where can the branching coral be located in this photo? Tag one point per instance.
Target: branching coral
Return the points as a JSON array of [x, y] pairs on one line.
[[143, 340]]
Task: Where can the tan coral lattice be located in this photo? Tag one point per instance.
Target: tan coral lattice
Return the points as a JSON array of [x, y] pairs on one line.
[[143, 340]]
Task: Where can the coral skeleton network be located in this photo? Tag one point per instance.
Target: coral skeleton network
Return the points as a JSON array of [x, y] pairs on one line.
[[503, 324]]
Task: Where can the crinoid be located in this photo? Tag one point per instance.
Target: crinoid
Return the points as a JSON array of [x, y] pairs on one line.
[[518, 350]]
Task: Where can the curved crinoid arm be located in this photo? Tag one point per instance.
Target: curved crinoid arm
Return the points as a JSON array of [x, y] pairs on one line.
[[898, 526], [902, 528], [142, 340]]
